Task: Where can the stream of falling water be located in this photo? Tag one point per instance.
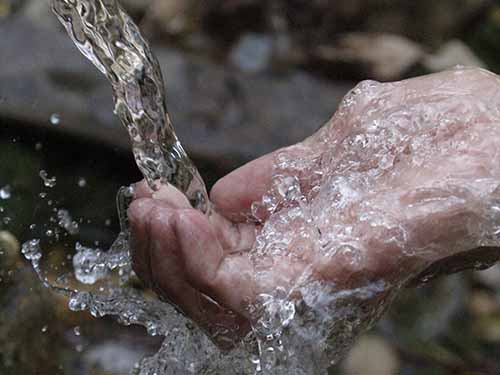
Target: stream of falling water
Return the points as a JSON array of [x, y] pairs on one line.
[[107, 36]]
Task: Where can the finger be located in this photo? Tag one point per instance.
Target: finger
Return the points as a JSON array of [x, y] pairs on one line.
[[157, 259], [142, 190], [139, 214], [227, 279], [166, 193], [234, 194], [233, 237]]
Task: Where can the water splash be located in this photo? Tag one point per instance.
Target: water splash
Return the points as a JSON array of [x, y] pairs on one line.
[[327, 215], [284, 338]]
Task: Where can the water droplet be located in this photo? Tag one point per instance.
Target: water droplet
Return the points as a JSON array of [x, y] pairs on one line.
[[31, 250], [44, 329], [76, 331], [38, 146], [82, 182], [55, 119], [88, 267], [49, 182], [5, 192], [66, 222]]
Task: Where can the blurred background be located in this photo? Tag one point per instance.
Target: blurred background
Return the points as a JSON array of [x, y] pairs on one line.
[[243, 77]]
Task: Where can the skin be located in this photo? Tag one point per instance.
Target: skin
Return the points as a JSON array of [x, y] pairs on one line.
[[428, 195]]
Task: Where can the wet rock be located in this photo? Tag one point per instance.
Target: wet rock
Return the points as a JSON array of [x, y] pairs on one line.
[[382, 57], [454, 52], [222, 116]]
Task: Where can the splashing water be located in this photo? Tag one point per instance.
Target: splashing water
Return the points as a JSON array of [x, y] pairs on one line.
[[333, 216], [288, 335]]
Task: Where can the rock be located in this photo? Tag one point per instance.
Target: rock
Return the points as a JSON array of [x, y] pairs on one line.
[[454, 52], [371, 355], [383, 57], [222, 116], [252, 53]]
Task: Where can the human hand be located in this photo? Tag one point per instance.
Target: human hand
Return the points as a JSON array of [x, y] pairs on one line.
[[404, 175]]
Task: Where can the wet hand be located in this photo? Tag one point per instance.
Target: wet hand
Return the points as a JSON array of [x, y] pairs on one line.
[[405, 174]]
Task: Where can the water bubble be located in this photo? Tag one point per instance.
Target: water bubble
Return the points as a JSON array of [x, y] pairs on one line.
[[49, 182], [55, 119], [76, 331], [31, 250], [66, 222], [79, 301], [88, 268], [5, 192]]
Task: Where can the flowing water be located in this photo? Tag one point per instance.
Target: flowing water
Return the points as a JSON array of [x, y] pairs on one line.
[[300, 329], [107, 36]]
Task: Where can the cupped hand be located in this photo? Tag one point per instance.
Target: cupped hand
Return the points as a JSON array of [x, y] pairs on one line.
[[405, 174]]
